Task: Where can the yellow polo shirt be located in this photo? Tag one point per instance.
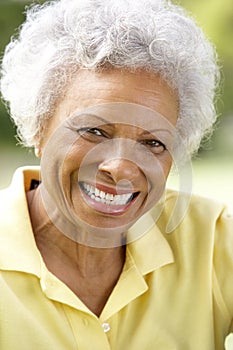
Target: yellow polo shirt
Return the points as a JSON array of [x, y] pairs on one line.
[[175, 291]]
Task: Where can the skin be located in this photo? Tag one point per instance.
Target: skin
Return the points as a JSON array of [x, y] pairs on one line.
[[91, 273]]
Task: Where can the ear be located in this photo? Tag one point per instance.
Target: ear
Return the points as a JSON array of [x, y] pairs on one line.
[[37, 152]]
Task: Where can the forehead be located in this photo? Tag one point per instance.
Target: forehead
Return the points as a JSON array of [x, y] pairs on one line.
[[120, 113], [90, 88]]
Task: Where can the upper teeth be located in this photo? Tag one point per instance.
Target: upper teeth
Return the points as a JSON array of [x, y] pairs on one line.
[[104, 197]]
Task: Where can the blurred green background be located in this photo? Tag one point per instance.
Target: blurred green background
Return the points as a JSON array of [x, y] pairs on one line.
[[213, 167]]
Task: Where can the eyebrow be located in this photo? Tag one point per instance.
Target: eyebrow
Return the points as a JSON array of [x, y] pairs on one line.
[[94, 116], [156, 130], [104, 121]]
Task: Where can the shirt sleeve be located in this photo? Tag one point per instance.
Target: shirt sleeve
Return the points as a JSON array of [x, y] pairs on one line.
[[223, 265]]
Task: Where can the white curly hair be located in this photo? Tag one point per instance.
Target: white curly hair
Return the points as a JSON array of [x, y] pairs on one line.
[[62, 36]]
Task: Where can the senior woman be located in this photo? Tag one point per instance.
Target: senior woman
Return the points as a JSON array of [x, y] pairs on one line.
[[95, 254]]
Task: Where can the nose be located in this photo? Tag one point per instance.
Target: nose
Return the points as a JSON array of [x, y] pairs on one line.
[[119, 169]]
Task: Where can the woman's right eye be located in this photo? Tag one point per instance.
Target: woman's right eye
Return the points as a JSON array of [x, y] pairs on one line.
[[95, 131], [92, 133]]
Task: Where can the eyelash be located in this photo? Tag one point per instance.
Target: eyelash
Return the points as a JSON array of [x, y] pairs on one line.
[[94, 131], [151, 143], [97, 132]]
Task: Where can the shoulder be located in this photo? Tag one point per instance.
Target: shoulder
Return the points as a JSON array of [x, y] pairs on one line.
[[13, 202], [6, 199], [195, 203], [199, 229], [206, 220], [10, 205], [203, 235], [192, 213]]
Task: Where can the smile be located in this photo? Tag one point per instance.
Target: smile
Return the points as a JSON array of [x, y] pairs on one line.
[[107, 198]]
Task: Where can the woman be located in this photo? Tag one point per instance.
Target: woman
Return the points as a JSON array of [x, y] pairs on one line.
[[111, 94]]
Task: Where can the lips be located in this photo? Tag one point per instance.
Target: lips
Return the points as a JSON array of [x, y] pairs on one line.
[[105, 201], [107, 197]]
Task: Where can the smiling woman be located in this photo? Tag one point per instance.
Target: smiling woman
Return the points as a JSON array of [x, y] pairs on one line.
[[107, 165], [94, 249], [110, 164]]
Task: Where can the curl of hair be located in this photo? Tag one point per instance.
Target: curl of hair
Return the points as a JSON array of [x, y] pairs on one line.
[[62, 36]]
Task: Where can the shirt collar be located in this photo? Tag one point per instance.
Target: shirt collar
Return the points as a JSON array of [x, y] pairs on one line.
[[18, 250], [151, 251]]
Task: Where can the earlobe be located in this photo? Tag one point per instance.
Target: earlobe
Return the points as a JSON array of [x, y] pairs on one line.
[[37, 152]]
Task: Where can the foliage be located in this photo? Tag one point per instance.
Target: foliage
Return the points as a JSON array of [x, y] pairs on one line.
[[216, 19]]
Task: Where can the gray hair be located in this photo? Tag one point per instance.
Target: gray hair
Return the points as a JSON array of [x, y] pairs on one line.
[[62, 36]]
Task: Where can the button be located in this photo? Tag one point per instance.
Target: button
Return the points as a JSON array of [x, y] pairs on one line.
[[106, 327]]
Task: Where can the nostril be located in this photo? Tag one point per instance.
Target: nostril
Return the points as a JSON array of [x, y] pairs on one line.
[[120, 169]]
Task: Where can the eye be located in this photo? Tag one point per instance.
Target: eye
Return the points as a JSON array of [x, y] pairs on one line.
[[95, 131], [92, 134], [155, 146]]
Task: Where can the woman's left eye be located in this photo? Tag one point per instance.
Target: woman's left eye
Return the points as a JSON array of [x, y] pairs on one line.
[[156, 145]]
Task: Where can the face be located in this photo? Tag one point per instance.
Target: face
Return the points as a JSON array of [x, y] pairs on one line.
[[117, 163]]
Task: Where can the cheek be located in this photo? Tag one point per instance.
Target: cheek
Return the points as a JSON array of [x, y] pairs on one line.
[[159, 170], [156, 178], [166, 164], [70, 165]]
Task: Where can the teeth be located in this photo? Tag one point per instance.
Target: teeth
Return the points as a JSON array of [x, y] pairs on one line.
[[106, 198], [102, 194], [92, 189]]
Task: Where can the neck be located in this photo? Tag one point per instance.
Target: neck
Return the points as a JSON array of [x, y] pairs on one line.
[[58, 251]]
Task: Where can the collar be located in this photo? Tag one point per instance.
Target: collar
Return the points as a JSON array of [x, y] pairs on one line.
[[18, 250]]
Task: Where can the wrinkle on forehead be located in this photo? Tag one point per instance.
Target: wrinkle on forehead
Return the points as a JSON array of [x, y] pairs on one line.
[[90, 88], [124, 113]]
